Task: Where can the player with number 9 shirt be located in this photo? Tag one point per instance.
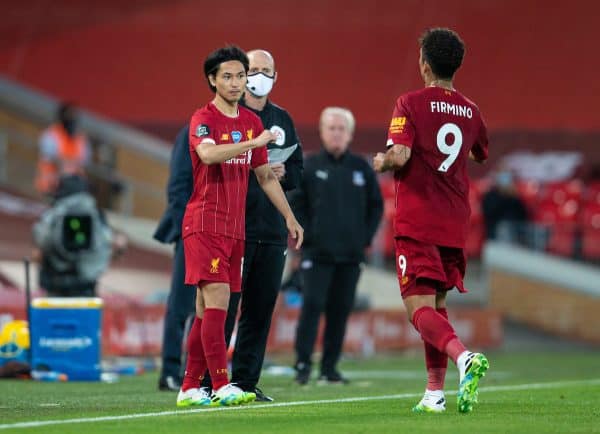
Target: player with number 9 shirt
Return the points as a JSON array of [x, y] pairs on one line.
[[432, 134]]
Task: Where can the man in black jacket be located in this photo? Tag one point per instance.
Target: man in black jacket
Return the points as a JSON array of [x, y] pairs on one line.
[[266, 233], [180, 303], [339, 205]]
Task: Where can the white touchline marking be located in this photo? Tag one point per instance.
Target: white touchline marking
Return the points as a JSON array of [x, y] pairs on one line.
[[405, 374], [33, 424]]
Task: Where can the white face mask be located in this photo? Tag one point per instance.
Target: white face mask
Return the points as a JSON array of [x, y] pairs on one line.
[[260, 84]]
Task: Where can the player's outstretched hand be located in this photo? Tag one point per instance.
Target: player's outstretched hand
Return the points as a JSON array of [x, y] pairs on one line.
[[378, 161], [295, 230], [265, 137]]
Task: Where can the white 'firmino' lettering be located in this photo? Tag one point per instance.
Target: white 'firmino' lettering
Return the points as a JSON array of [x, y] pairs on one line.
[[451, 109]]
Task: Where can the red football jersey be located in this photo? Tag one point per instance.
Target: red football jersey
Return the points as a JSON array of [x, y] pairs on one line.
[[218, 201], [432, 191]]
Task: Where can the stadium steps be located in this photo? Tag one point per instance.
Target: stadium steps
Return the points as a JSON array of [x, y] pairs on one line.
[[121, 155]]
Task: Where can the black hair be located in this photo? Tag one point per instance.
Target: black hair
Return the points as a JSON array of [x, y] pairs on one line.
[[66, 111], [443, 50], [225, 54], [67, 117]]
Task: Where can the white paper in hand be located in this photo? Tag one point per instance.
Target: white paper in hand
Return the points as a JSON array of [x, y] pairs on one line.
[[280, 155]]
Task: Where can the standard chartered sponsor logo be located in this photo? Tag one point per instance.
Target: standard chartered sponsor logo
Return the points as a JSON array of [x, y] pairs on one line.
[[66, 343], [244, 158]]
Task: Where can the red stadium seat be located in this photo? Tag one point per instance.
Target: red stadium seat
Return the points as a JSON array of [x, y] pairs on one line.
[[546, 213], [561, 219], [476, 234], [590, 243], [561, 192], [562, 239], [568, 211], [590, 231], [529, 192], [592, 193]]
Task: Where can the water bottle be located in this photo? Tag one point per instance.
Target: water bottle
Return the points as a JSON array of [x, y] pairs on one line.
[[126, 370], [48, 376], [109, 377]]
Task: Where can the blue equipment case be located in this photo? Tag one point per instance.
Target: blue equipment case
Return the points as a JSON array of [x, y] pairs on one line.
[[66, 336]]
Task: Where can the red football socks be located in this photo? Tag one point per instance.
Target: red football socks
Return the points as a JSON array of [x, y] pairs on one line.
[[455, 348], [196, 362], [436, 362], [213, 340], [434, 328], [437, 331]]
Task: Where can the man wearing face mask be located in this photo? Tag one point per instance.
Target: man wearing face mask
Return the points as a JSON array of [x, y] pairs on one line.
[[339, 204], [63, 151], [266, 233]]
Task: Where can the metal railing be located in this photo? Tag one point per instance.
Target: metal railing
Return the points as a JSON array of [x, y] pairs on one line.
[[565, 239], [107, 138]]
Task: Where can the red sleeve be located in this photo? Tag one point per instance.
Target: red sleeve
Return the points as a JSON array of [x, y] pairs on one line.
[[401, 130], [480, 148], [260, 155], [201, 129]]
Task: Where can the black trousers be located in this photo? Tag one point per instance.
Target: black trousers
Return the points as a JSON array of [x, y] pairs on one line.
[[261, 282], [181, 303], [328, 288]]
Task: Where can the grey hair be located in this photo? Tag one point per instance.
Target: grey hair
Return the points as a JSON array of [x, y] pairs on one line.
[[339, 111]]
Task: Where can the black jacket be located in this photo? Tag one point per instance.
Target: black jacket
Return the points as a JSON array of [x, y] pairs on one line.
[[339, 206], [264, 224], [179, 189], [500, 207]]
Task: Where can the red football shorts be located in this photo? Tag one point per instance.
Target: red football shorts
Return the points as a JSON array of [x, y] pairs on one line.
[[419, 260], [212, 258]]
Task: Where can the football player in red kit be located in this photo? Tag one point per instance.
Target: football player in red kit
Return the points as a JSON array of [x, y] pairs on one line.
[[432, 134], [226, 141]]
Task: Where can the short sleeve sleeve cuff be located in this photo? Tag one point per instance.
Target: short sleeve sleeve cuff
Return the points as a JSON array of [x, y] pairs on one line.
[[401, 130]]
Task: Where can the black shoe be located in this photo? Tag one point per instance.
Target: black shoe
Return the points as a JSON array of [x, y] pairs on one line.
[[260, 396], [302, 373], [169, 383], [333, 377]]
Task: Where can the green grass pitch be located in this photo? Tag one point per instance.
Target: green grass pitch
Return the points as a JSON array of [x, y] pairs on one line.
[[522, 393]]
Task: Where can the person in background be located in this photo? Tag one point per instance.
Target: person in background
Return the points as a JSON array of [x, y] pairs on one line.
[[266, 233], [340, 205], [180, 302], [504, 212], [63, 151]]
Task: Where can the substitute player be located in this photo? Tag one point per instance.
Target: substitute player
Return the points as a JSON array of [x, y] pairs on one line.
[[226, 140], [432, 133]]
